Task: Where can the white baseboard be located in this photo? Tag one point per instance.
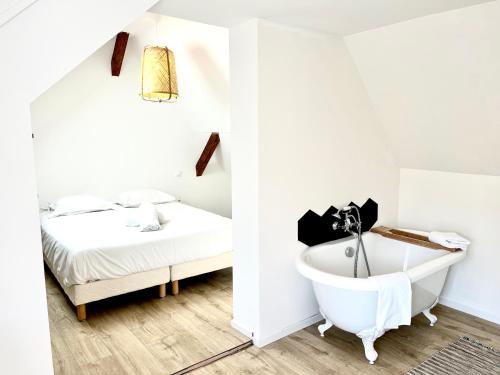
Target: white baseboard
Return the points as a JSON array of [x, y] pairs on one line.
[[263, 341], [483, 314], [240, 328]]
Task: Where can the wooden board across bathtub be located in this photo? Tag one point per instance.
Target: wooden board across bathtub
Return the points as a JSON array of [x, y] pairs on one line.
[[404, 236]]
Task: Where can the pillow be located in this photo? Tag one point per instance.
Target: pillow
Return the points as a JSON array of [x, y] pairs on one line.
[[79, 204], [135, 198]]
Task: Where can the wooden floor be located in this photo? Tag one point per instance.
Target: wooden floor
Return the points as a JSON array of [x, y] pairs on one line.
[[339, 352], [140, 334]]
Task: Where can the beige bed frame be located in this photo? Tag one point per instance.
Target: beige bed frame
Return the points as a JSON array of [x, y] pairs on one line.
[[80, 295]]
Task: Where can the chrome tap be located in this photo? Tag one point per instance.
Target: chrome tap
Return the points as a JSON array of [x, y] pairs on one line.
[[350, 222]]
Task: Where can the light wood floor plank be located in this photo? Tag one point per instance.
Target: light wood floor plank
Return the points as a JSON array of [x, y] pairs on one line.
[[339, 352], [141, 334]]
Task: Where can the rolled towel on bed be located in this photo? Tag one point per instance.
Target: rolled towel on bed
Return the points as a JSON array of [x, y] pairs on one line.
[[162, 217], [132, 217], [449, 239], [147, 218]]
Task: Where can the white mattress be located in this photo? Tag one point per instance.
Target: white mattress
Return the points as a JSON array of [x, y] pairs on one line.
[[98, 246]]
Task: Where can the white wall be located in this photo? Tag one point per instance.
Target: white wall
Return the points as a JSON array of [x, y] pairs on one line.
[[34, 59], [318, 144], [435, 85], [467, 204], [94, 134], [244, 125]]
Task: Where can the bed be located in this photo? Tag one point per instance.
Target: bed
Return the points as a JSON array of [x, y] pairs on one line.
[[95, 255]]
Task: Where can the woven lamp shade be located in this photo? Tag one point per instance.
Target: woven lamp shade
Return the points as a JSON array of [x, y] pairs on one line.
[[159, 79]]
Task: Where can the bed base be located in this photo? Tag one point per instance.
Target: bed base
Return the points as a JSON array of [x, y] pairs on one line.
[[198, 267], [80, 295], [81, 310]]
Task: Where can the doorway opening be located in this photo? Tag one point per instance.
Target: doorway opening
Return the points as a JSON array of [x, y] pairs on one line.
[[120, 297]]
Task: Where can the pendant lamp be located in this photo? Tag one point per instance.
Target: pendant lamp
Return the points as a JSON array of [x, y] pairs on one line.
[[158, 76]]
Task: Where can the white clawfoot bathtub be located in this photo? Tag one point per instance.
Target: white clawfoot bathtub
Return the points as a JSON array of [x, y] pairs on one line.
[[351, 303]]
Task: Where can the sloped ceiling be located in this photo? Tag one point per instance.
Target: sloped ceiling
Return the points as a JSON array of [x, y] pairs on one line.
[[10, 8], [341, 17], [435, 85]]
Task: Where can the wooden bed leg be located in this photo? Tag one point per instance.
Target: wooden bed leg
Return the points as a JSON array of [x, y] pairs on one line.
[[81, 312], [162, 290], [175, 287]]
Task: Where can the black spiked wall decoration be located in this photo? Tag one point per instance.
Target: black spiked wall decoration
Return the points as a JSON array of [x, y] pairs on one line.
[[314, 229], [369, 214]]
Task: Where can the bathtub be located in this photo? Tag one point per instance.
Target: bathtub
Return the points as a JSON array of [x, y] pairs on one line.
[[351, 303]]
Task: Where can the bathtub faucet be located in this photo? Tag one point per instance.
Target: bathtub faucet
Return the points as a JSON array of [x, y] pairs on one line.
[[351, 223]]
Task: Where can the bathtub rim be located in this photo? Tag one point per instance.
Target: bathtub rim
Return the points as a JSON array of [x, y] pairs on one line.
[[367, 284]]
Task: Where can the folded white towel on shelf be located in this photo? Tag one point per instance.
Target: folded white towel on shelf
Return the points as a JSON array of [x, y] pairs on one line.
[[449, 239], [393, 306], [147, 217]]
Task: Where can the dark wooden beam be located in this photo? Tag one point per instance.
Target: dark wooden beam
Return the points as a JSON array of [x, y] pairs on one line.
[[119, 53], [207, 153]]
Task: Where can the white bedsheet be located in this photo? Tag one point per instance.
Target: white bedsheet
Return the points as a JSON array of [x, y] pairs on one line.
[[97, 246]]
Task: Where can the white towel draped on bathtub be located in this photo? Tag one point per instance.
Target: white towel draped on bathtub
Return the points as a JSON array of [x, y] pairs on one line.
[[449, 239], [393, 306]]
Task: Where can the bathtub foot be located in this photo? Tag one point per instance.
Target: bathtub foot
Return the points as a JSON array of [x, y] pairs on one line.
[[432, 318], [322, 328], [370, 353]]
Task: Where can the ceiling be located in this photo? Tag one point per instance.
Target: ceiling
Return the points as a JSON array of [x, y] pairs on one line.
[[341, 17]]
